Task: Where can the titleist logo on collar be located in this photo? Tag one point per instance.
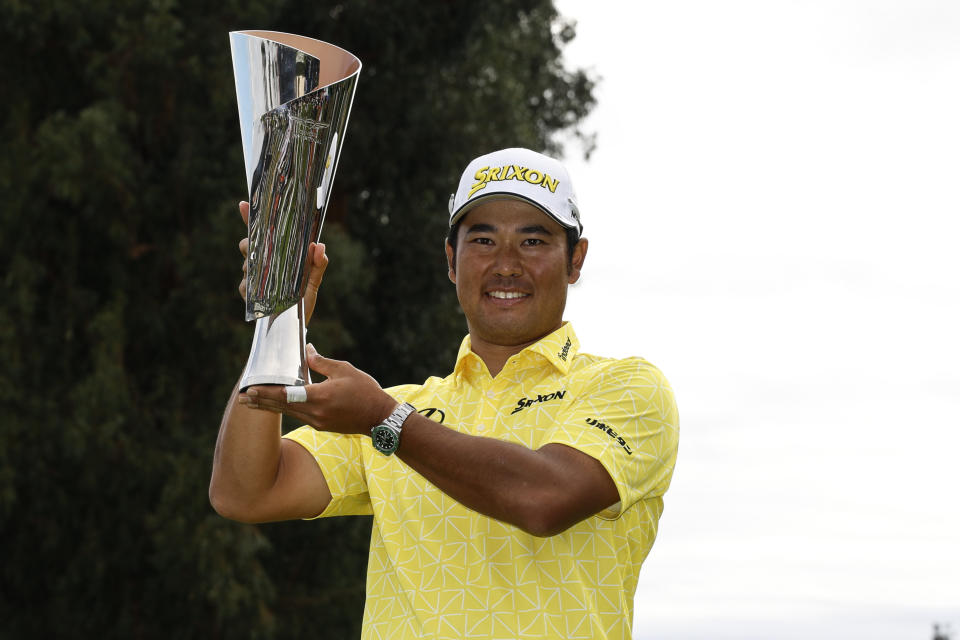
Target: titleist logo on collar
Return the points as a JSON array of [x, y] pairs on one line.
[[565, 351], [523, 403]]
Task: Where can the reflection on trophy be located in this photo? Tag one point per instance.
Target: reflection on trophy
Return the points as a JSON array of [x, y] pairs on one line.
[[294, 96]]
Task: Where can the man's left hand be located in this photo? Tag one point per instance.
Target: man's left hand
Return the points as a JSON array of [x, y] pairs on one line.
[[348, 401]]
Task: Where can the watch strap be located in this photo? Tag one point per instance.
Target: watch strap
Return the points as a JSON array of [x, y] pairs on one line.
[[394, 422], [396, 419]]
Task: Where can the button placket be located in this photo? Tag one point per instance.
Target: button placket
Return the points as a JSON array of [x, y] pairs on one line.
[[490, 409]]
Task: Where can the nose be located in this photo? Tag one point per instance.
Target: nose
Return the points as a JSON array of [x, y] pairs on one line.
[[508, 262]]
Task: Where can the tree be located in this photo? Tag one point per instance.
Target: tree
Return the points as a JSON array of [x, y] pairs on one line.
[[941, 632], [121, 333]]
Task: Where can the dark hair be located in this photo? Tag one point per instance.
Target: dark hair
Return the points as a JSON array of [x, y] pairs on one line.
[[573, 237]]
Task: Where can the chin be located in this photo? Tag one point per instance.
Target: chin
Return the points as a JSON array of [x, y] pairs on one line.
[[513, 336]]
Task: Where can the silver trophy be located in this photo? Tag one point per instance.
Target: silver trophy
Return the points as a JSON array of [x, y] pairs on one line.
[[294, 96]]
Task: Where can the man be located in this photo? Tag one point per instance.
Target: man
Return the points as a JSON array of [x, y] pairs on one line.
[[524, 505]]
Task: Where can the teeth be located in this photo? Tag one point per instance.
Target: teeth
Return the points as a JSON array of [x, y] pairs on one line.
[[506, 295]]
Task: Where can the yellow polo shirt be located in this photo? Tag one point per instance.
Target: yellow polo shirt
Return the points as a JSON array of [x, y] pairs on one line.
[[440, 570]]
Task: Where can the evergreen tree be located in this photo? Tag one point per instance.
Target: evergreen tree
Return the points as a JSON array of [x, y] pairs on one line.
[[121, 332], [941, 632]]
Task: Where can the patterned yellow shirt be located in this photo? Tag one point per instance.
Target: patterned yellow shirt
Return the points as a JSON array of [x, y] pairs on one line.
[[440, 570]]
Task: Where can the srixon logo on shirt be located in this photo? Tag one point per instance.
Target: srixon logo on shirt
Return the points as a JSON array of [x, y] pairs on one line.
[[523, 403], [593, 422]]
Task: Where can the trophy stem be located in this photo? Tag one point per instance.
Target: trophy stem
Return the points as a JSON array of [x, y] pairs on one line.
[[278, 354]]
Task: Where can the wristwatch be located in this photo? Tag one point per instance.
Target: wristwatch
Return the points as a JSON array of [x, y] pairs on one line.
[[386, 435]]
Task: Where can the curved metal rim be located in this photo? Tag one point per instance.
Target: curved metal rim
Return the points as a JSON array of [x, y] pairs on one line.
[[350, 64]]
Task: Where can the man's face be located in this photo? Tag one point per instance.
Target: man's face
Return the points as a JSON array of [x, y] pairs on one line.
[[512, 272]]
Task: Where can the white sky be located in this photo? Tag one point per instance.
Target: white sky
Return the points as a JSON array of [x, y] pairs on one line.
[[772, 209]]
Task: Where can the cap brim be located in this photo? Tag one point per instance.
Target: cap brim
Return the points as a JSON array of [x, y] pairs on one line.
[[466, 207]]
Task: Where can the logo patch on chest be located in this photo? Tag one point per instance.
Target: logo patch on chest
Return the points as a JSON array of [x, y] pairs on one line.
[[437, 415], [523, 403]]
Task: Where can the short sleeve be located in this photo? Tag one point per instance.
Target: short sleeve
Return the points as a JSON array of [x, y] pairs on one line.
[[625, 416], [340, 458]]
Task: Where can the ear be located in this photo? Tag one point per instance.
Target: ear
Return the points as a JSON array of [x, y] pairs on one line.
[[451, 270], [576, 262]]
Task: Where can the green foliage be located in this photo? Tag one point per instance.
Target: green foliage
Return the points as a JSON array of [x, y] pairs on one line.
[[121, 332]]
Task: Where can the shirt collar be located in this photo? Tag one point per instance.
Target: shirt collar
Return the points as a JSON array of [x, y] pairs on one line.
[[557, 348]]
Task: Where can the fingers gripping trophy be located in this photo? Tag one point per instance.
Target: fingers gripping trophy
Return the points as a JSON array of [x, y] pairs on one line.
[[294, 96]]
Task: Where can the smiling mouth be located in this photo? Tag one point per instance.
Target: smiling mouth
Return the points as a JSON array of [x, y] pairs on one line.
[[507, 295]]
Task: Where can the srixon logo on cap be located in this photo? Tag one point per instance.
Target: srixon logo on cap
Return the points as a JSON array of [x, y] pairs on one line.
[[512, 172]]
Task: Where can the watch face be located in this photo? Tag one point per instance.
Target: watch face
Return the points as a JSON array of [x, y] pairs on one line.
[[384, 439]]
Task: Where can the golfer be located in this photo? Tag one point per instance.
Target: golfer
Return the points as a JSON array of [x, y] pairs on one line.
[[515, 497]]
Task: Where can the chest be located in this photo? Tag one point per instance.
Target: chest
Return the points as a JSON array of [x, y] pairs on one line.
[[520, 409]]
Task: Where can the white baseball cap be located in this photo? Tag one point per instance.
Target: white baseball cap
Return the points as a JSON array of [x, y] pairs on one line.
[[517, 174]]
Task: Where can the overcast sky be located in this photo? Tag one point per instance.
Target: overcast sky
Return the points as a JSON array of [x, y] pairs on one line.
[[773, 213]]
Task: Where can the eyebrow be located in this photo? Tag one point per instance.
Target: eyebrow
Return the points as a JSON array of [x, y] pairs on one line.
[[537, 229], [483, 227]]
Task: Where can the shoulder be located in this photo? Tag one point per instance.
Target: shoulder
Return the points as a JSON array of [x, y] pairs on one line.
[[633, 371], [624, 387]]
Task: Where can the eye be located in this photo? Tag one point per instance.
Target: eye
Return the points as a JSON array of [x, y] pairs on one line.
[[481, 240], [532, 242]]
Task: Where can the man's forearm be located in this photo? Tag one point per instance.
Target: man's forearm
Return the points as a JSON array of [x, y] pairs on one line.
[[246, 459], [543, 492]]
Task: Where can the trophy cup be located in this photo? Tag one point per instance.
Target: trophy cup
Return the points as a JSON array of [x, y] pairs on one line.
[[294, 96]]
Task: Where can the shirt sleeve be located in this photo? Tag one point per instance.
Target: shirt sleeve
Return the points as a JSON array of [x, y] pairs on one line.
[[625, 416], [340, 458]]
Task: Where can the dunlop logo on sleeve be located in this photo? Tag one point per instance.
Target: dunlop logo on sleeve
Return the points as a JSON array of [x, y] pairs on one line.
[[593, 422], [487, 175]]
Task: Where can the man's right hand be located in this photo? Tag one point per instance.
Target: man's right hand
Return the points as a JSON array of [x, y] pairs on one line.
[[316, 263]]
